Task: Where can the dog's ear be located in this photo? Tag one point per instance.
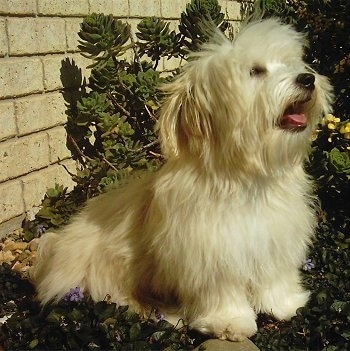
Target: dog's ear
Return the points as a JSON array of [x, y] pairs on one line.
[[186, 120], [199, 101]]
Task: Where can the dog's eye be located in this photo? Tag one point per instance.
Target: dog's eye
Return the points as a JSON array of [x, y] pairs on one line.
[[257, 71]]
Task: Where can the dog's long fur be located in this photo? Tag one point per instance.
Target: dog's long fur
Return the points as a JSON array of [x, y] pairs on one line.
[[219, 232]]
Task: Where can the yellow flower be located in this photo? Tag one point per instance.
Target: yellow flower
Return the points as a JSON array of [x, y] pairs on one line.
[[331, 121], [345, 129], [332, 118], [328, 117]]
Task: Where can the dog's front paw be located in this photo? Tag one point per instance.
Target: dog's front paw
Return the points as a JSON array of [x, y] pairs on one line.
[[238, 329], [234, 329]]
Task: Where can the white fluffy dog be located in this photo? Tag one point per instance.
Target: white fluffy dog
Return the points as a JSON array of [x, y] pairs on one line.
[[219, 232]]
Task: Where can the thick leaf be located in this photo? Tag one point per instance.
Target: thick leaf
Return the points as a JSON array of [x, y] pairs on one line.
[[135, 331]]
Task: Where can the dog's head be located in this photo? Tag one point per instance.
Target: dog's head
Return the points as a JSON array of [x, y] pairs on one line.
[[251, 104]]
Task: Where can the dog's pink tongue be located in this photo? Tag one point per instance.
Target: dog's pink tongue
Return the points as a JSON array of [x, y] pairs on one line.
[[294, 121]]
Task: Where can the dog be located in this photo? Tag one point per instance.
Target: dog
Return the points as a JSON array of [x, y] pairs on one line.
[[219, 232]]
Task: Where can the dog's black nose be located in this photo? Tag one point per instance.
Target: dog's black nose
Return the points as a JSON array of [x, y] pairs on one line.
[[306, 80]]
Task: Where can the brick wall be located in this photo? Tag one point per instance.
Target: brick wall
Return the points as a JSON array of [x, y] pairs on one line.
[[35, 36]]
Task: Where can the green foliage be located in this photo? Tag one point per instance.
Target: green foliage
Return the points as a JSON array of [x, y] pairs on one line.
[[79, 325], [268, 8], [330, 166], [156, 39], [197, 22], [12, 290], [56, 208], [102, 37], [340, 161]]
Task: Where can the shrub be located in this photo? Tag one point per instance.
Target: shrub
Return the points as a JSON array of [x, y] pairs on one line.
[[76, 323]]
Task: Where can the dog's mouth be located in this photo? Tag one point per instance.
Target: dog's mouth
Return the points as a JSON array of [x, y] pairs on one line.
[[294, 118]]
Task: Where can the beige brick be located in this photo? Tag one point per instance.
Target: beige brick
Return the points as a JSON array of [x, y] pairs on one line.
[[172, 8], [72, 29], [66, 169], [10, 225], [233, 30], [231, 9], [172, 63], [118, 8], [36, 184], [20, 76], [8, 127], [36, 35], [63, 7], [23, 155], [39, 112], [144, 8], [58, 67], [11, 204], [173, 25], [133, 26], [3, 38], [58, 144], [52, 71], [17, 7]]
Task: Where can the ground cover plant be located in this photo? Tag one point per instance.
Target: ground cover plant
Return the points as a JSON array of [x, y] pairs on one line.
[[110, 127]]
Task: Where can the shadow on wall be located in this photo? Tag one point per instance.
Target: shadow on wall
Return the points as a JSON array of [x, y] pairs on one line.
[[74, 88]]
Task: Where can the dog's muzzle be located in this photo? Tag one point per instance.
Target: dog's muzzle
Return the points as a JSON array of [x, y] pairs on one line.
[[294, 118]]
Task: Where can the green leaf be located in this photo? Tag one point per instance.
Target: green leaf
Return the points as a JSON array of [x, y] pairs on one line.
[[139, 346], [54, 317], [75, 315], [160, 335], [321, 297], [104, 310], [346, 335], [33, 344], [341, 307], [135, 331], [340, 161]]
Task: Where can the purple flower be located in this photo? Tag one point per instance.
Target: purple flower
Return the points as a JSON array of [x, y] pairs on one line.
[[118, 336], [75, 294], [325, 342], [308, 265], [40, 229], [159, 315]]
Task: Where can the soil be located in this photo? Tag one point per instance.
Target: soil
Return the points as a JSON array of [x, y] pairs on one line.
[[18, 253]]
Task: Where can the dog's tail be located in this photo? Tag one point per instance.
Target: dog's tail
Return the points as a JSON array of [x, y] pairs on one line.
[[58, 268]]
